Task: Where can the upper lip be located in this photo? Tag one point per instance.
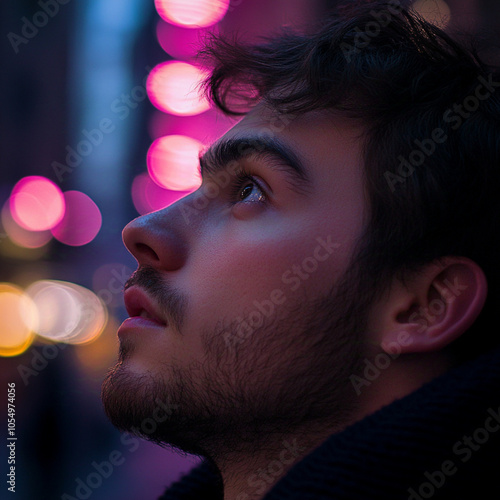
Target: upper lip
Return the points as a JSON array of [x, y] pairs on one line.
[[137, 301]]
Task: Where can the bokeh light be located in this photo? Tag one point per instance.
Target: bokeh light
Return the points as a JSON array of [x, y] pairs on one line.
[[67, 312], [20, 236], [18, 319], [36, 203], [206, 128], [96, 357], [81, 222], [173, 88], [192, 13], [173, 162], [148, 197], [180, 43]]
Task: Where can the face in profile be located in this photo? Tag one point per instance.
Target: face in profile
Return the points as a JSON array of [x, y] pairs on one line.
[[241, 309]]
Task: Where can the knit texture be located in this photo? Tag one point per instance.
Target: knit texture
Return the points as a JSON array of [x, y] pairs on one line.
[[440, 442]]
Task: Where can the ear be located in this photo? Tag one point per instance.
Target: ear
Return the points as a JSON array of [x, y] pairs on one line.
[[434, 308]]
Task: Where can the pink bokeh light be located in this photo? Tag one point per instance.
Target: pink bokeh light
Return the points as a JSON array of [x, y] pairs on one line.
[[206, 128], [20, 236], [192, 13], [36, 203], [148, 197], [172, 88], [173, 162], [180, 43], [81, 222]]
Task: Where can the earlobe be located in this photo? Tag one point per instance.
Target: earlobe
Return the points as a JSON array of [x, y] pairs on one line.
[[438, 306]]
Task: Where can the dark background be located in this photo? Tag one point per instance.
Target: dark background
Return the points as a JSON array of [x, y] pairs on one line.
[[59, 82]]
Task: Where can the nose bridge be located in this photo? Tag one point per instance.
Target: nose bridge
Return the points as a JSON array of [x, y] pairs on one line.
[[160, 239]]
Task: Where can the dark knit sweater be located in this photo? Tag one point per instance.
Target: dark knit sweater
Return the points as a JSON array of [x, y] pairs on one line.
[[440, 442]]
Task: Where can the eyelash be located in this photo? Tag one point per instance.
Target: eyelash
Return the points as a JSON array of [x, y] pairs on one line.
[[240, 180]]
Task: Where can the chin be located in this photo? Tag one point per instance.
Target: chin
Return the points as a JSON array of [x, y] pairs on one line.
[[140, 405]]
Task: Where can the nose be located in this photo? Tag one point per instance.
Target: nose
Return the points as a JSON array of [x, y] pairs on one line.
[[155, 240]]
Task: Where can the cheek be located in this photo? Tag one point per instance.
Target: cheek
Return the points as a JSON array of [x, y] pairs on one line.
[[243, 268], [239, 269]]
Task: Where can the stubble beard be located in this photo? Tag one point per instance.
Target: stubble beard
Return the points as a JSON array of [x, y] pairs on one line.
[[291, 374]]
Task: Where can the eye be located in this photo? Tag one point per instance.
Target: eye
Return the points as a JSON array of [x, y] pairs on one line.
[[246, 189]]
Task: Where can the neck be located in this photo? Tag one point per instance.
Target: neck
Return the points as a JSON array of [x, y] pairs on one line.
[[250, 473]]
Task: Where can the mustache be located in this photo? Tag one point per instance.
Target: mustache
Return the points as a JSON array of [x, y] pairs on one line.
[[171, 302]]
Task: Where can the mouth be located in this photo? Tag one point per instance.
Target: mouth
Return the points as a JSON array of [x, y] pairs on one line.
[[139, 305]]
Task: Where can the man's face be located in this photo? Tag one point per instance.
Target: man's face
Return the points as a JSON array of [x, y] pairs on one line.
[[242, 277]]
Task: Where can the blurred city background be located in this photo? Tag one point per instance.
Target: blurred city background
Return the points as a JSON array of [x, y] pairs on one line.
[[100, 123]]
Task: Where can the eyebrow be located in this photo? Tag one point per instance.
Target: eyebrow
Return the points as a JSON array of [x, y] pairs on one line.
[[276, 154]]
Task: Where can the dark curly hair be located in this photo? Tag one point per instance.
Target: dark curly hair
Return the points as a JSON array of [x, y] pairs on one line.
[[431, 112]]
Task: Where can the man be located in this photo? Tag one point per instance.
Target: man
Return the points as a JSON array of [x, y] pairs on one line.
[[318, 320]]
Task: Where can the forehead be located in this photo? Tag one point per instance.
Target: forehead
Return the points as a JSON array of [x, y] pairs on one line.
[[328, 144], [316, 135]]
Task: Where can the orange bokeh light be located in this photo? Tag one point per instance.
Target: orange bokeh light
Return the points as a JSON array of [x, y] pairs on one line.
[[18, 318], [67, 312]]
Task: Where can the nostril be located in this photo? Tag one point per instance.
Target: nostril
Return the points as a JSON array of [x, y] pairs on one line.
[[146, 251], [154, 240]]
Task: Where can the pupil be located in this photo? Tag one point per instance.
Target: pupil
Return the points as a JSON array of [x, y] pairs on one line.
[[246, 191]]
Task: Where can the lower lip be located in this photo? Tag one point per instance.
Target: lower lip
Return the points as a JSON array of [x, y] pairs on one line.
[[138, 323]]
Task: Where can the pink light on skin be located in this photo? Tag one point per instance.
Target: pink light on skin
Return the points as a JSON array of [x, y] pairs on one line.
[[81, 222], [36, 203], [173, 162], [20, 236], [192, 13], [172, 88], [148, 197]]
